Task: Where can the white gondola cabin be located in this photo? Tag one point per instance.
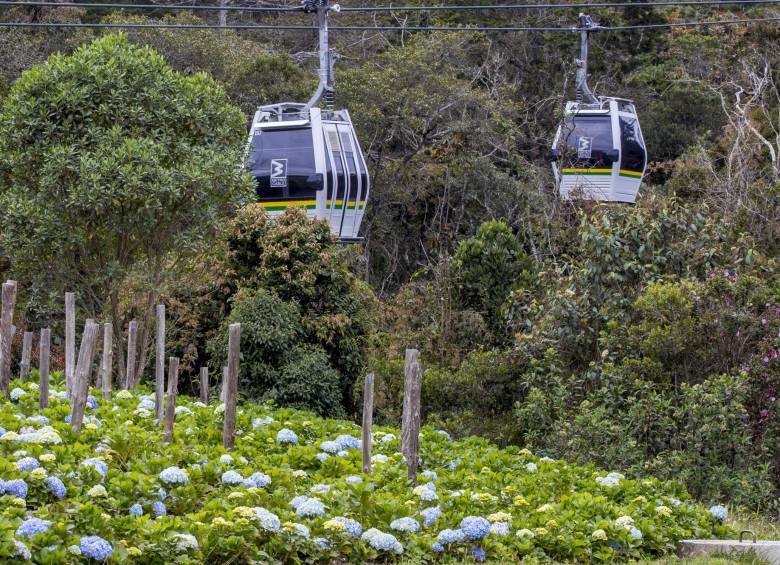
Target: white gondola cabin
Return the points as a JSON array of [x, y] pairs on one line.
[[599, 152]]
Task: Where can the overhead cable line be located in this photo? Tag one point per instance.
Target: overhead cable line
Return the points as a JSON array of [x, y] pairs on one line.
[[284, 27], [359, 9]]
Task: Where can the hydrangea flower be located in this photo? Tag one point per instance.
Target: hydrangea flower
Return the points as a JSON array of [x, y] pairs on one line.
[[98, 464], [408, 525], [27, 464], [478, 553], [95, 548], [97, 491], [599, 535], [124, 394], [322, 542], [39, 419], [475, 527], [329, 446], [17, 393], [531, 467], [430, 475], [56, 487], [354, 480], [322, 457], [719, 512], [387, 438], [381, 541], [299, 529], [499, 528], [162, 493], [257, 422], [22, 551], [226, 459], [448, 536], [232, 478], [258, 480], [309, 508], [425, 493], [136, 510], [31, 527], [147, 403], [268, 520], [444, 433], [286, 436], [346, 441], [635, 533], [379, 458], [320, 488], [430, 514], [16, 487], [342, 453], [624, 522], [158, 509], [92, 403], [352, 527], [174, 476], [186, 541]]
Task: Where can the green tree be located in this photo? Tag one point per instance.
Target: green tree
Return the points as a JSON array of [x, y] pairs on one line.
[[110, 159]]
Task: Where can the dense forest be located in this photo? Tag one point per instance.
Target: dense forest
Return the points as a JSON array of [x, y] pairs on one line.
[[642, 337]]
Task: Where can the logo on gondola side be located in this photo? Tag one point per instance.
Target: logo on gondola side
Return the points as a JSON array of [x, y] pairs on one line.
[[278, 173], [584, 146]]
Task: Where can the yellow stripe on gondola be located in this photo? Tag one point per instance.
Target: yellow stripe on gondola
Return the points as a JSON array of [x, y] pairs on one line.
[[349, 204], [273, 206], [632, 174], [586, 171]]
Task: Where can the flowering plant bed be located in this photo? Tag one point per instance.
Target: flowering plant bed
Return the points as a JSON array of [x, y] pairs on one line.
[[292, 491]]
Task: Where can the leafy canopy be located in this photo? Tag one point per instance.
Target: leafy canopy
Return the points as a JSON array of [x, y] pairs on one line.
[[109, 158]]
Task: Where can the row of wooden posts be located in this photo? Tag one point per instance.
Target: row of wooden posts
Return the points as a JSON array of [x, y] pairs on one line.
[[78, 375]]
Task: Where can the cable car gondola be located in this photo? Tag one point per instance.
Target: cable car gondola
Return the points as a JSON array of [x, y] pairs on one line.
[[598, 152], [301, 156]]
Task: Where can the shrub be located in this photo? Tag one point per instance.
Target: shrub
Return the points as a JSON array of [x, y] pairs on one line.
[[307, 380]]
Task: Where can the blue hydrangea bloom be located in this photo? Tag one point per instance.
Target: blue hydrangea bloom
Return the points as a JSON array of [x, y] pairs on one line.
[[174, 476], [225, 459], [258, 480], [91, 402], [352, 527], [321, 457], [346, 441], [478, 553], [450, 536], [56, 487], [136, 510], [475, 527], [320, 488], [98, 464], [158, 509], [322, 542], [382, 541], [268, 520], [147, 403], [301, 530], [39, 419], [719, 512], [27, 464], [430, 514], [408, 525], [66, 419], [22, 551], [286, 436], [330, 447], [437, 547], [232, 478], [32, 527], [95, 548], [162, 493], [635, 533], [500, 528], [354, 480], [430, 475], [311, 507], [16, 487]]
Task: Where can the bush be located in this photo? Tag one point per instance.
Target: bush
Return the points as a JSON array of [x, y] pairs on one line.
[[307, 380]]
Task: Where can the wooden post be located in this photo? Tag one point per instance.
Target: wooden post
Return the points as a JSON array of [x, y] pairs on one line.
[[132, 333], [170, 405], [70, 341], [24, 364], [6, 321], [204, 385], [368, 418], [43, 366], [223, 388], [106, 364], [159, 374], [82, 374], [410, 419], [231, 386]]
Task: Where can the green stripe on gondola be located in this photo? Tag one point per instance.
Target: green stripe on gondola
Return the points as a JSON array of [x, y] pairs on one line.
[[597, 172], [281, 205], [630, 174]]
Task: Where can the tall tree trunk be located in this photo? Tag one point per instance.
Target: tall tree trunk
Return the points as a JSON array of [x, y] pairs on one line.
[[146, 334]]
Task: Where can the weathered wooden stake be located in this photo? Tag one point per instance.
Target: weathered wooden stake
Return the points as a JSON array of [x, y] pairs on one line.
[[6, 321], [231, 386], [223, 388], [368, 418], [24, 364], [70, 341], [410, 422], [82, 374], [132, 333], [106, 365], [170, 404], [43, 366], [159, 374], [204, 385]]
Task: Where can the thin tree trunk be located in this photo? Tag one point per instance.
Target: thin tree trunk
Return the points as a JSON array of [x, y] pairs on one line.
[[6, 333], [43, 367], [119, 346]]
